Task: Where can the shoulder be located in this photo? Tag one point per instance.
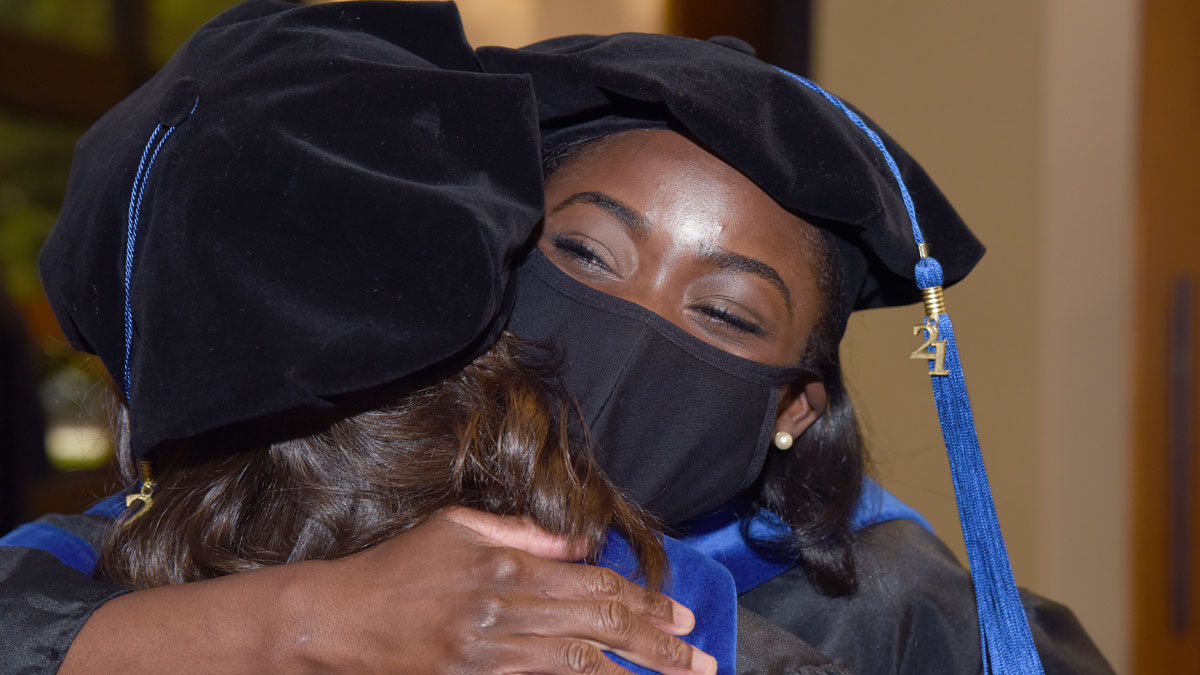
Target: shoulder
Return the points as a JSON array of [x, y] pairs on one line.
[[914, 611], [911, 594]]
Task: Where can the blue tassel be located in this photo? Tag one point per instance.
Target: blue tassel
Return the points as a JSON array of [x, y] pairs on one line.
[[1005, 639], [1006, 642]]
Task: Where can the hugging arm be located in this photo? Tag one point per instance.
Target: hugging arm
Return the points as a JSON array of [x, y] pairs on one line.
[[441, 595]]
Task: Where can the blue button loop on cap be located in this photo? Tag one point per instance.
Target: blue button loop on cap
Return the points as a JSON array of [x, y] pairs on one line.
[[177, 106], [1005, 639]]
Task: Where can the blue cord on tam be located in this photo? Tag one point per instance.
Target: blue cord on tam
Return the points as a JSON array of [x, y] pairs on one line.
[[1005, 639], [135, 211]]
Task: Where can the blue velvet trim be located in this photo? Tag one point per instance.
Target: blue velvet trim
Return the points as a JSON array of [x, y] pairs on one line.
[[71, 549], [722, 537], [700, 584], [877, 505], [112, 507]]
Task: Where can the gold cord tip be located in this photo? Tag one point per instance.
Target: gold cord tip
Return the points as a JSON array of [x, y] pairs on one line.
[[935, 302]]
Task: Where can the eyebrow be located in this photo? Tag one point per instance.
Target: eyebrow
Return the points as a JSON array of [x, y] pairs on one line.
[[632, 220], [736, 262], [639, 227]]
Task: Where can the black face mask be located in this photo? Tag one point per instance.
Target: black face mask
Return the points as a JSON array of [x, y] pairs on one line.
[[680, 425]]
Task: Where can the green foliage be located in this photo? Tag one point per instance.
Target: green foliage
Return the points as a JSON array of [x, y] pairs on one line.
[[87, 24], [35, 154], [82, 24], [35, 157]]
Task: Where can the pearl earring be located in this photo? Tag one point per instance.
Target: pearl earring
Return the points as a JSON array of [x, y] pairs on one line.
[[783, 440]]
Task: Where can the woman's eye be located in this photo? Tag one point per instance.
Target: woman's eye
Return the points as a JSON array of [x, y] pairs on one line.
[[722, 315], [580, 252]]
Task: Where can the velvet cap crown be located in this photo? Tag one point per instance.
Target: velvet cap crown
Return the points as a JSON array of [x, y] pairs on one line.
[[332, 199], [788, 139]]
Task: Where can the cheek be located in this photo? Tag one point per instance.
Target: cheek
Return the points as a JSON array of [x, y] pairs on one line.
[[803, 325], [785, 349], [797, 344]]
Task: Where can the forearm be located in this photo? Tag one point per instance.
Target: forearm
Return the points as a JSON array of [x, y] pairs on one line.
[[446, 595], [234, 624], [56, 618]]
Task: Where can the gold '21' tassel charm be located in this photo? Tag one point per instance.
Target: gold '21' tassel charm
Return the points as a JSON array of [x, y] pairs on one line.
[[145, 495], [934, 349]]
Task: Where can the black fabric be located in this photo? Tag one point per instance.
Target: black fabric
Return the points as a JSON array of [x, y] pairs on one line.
[[914, 612], [767, 649], [788, 139], [44, 603], [336, 209], [680, 425]]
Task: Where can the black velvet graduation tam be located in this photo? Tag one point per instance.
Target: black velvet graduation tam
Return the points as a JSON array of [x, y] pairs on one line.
[[305, 202], [787, 138]]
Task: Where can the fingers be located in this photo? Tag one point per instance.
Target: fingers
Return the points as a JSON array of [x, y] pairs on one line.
[[605, 624], [565, 581], [515, 533], [560, 657], [588, 582], [571, 611]]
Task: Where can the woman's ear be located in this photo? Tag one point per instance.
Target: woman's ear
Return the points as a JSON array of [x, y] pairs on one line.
[[800, 405]]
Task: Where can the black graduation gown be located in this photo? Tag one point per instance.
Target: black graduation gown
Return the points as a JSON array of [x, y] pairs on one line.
[[914, 612]]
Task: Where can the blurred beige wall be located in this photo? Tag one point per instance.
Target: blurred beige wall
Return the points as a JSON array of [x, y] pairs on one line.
[[513, 23], [1024, 113]]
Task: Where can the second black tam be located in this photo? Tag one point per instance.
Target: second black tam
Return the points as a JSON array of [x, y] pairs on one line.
[[305, 202]]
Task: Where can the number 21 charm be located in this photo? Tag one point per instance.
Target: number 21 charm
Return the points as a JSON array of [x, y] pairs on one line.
[[938, 355]]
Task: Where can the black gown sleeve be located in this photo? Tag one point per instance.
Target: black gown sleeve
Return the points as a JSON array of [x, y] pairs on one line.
[[44, 603], [914, 612]]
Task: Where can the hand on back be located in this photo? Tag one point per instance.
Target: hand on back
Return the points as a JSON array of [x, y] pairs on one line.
[[474, 592], [465, 592]]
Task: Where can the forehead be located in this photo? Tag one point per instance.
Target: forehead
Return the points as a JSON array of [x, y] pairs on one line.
[[692, 198]]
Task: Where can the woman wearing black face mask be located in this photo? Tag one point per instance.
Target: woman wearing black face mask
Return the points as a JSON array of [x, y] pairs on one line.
[[729, 303], [711, 222], [716, 337], [696, 315]]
